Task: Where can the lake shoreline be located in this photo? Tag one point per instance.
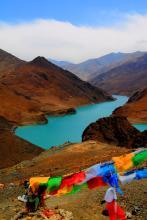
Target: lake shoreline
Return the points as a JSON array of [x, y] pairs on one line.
[[61, 128], [72, 115], [43, 120]]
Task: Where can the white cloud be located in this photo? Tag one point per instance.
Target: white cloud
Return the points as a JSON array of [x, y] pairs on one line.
[[65, 41]]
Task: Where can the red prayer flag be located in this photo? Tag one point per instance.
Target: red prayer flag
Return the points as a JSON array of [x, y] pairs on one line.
[[73, 179], [96, 182]]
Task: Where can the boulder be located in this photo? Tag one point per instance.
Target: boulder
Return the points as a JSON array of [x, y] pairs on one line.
[[115, 130]]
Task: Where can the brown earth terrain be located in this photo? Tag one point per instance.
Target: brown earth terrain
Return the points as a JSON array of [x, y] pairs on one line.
[[30, 90], [136, 108], [115, 130], [124, 79], [64, 160], [8, 62], [14, 149]]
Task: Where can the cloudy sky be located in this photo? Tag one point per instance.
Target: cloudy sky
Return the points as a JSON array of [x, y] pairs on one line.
[[72, 30]]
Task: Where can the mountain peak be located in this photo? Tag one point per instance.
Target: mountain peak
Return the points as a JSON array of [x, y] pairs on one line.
[[40, 61], [8, 62], [4, 55]]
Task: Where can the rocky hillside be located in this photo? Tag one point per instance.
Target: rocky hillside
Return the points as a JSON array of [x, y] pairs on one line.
[[71, 158], [124, 79], [94, 67], [115, 130], [13, 149], [8, 62], [85, 204], [39, 87], [68, 158], [136, 107]]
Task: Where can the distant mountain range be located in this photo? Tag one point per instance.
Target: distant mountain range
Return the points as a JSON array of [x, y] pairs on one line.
[[125, 78], [59, 63], [94, 67], [29, 90]]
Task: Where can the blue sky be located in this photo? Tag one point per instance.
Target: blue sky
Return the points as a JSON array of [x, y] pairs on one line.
[[78, 12], [72, 30]]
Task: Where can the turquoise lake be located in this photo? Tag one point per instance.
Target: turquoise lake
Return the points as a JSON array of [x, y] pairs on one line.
[[61, 129]]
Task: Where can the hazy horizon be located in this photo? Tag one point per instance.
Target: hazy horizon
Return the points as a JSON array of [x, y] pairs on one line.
[[87, 30]]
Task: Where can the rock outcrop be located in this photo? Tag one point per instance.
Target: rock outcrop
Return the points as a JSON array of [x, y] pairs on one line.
[[140, 140], [115, 130], [136, 107]]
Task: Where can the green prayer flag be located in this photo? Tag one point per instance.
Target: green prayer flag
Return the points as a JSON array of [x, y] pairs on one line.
[[139, 158], [77, 188], [54, 183]]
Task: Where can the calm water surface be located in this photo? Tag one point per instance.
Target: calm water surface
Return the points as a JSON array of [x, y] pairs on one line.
[[141, 127], [61, 129]]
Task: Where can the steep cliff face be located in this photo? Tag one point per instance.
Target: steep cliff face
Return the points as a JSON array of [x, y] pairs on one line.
[[35, 88], [136, 107], [115, 130], [13, 149]]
